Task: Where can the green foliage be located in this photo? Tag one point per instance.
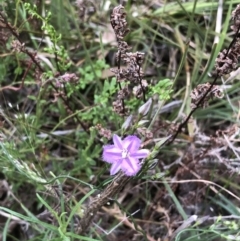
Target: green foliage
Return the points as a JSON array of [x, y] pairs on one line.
[[87, 156], [89, 77], [163, 89], [55, 38], [72, 153], [101, 110], [89, 74]]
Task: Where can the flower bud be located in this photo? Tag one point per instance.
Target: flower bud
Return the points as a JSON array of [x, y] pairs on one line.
[[144, 109], [127, 123]]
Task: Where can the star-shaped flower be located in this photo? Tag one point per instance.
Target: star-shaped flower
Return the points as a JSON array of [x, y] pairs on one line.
[[124, 155]]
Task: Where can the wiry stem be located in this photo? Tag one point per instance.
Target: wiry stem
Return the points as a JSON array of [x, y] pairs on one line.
[[109, 192]]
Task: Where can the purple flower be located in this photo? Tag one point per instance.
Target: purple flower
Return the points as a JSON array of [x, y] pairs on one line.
[[124, 155]]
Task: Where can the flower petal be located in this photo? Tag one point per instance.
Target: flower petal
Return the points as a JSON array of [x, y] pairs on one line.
[[140, 153], [124, 155], [111, 153], [130, 166], [116, 166], [117, 141], [131, 143]]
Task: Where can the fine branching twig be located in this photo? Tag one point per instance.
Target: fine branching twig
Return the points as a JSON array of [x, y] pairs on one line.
[[20, 47], [16, 35]]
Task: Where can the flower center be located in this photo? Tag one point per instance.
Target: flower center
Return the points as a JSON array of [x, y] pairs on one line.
[[125, 153]]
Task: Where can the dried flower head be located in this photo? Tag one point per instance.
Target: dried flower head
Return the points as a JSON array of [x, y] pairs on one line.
[[69, 77], [198, 93], [226, 62], [236, 19], [123, 93], [143, 131], [124, 155], [133, 72], [118, 21], [104, 132], [17, 46], [66, 78], [138, 90], [119, 108]]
